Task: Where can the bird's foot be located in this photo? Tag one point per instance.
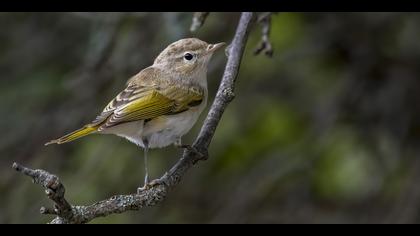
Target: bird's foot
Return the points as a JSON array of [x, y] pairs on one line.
[[150, 185]]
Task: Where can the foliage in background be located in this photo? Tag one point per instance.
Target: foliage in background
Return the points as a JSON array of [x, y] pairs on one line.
[[325, 131]]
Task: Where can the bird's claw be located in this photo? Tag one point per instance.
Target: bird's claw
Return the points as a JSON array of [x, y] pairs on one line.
[[150, 185]]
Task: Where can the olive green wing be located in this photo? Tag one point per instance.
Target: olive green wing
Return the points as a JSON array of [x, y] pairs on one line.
[[145, 100], [155, 102], [129, 94]]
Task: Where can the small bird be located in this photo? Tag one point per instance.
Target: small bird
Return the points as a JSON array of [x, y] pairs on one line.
[[161, 103]]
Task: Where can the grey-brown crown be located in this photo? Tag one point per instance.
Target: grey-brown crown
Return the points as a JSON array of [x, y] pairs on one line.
[[178, 48]]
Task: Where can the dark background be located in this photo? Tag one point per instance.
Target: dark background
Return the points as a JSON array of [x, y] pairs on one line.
[[326, 131]]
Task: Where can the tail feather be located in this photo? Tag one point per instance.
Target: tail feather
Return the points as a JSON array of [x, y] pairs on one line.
[[74, 135]]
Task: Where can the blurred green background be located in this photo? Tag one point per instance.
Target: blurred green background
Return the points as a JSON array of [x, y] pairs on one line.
[[326, 131]]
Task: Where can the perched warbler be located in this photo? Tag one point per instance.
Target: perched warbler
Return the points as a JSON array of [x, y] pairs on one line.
[[161, 103]]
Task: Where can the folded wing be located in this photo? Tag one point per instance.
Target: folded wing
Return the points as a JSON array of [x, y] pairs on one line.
[[146, 99]]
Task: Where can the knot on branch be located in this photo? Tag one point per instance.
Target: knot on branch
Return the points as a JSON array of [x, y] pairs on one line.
[[228, 94]]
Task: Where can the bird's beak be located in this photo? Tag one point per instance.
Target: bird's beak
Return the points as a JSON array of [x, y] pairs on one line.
[[213, 47]]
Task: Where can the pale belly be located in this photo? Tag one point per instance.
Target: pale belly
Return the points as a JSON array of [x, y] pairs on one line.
[[159, 132], [166, 130]]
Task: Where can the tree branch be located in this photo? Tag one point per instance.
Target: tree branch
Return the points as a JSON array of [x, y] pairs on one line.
[[265, 45], [198, 20], [55, 190]]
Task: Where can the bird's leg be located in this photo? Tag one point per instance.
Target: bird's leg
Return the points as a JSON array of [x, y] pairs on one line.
[[146, 169], [178, 144]]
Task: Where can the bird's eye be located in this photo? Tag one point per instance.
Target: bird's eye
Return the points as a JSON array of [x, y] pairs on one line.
[[188, 56]]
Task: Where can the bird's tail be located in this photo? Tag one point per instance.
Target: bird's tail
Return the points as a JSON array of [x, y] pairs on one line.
[[74, 135]]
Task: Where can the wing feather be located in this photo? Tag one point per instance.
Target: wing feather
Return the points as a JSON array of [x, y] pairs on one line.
[[145, 98]]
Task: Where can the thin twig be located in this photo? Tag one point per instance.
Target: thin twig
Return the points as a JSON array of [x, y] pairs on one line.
[[67, 213], [265, 45], [198, 20]]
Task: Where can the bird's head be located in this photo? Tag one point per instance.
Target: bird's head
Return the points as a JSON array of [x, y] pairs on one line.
[[187, 57]]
